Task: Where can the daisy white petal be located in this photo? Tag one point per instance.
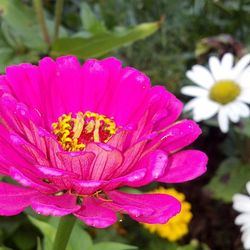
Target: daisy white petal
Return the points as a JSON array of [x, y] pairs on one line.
[[226, 85], [216, 68], [243, 78], [245, 96], [192, 103], [246, 239], [205, 110], [223, 120], [243, 219], [245, 227], [194, 91], [241, 203], [201, 76], [227, 61], [248, 187], [233, 112], [239, 67], [243, 109]]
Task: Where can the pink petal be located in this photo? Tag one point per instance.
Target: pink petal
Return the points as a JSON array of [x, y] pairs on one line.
[[104, 75], [87, 187], [177, 136], [78, 164], [106, 160], [25, 81], [29, 179], [184, 166], [164, 107], [95, 215], [92, 94], [14, 199], [147, 170], [68, 83], [131, 179], [131, 157], [146, 208], [55, 205], [129, 96]]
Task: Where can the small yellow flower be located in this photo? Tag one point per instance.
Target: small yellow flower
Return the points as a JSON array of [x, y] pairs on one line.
[[177, 226]]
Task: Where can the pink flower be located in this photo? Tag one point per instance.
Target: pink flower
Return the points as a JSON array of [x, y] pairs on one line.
[[71, 135]]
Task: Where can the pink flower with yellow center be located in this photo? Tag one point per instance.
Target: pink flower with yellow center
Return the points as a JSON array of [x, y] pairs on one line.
[[72, 135]]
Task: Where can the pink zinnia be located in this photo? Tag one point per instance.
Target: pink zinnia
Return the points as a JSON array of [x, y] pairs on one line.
[[72, 135]]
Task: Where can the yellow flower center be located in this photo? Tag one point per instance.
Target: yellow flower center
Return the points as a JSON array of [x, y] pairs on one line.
[[177, 226], [224, 91], [73, 133]]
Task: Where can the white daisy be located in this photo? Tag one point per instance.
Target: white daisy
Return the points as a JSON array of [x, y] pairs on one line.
[[241, 203], [222, 90]]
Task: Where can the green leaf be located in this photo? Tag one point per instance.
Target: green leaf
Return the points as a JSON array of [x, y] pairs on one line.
[[24, 239], [5, 248], [244, 129], [79, 238], [46, 229], [89, 20], [231, 177], [23, 23], [101, 43], [111, 246]]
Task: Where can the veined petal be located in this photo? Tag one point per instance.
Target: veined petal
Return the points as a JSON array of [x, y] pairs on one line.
[[94, 214], [14, 199], [155, 163], [106, 160], [147, 208], [164, 107], [55, 205], [184, 166], [87, 187], [29, 179], [131, 179], [177, 136]]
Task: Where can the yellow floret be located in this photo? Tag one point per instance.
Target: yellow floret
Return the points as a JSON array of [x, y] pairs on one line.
[[177, 226]]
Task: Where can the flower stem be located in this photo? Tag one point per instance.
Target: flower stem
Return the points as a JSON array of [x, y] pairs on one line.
[[58, 17], [38, 7], [63, 233]]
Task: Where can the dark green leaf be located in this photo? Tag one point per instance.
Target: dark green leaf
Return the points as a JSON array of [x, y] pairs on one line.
[[230, 178], [111, 246], [22, 20], [101, 43]]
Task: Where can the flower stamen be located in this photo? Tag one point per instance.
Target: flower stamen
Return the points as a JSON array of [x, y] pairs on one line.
[[74, 133]]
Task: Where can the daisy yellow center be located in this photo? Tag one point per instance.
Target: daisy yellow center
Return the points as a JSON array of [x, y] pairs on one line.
[[74, 133], [224, 91]]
